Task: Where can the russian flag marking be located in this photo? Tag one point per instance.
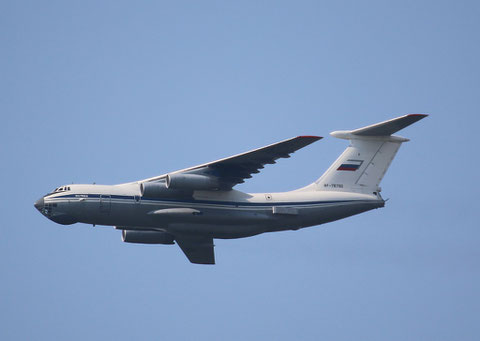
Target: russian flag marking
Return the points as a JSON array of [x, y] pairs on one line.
[[350, 165]]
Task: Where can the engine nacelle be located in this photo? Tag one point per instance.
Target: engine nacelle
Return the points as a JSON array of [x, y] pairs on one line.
[[153, 189], [192, 182], [147, 237], [157, 190]]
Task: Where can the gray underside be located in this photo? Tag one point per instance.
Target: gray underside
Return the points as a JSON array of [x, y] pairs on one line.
[[194, 224], [221, 222]]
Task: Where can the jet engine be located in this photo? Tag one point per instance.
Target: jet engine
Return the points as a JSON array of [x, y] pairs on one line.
[[153, 189], [147, 237], [192, 182]]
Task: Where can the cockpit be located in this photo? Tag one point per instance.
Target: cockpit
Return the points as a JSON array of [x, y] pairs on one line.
[[58, 190], [55, 207], [61, 189]]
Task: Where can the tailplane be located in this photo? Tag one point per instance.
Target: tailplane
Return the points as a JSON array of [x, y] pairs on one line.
[[363, 164]]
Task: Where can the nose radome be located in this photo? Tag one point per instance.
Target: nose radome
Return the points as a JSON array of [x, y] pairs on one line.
[[39, 204]]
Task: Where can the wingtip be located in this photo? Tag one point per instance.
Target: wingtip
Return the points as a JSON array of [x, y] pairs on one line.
[[418, 115]]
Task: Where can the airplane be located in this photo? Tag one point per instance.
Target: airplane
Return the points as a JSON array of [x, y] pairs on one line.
[[193, 206]]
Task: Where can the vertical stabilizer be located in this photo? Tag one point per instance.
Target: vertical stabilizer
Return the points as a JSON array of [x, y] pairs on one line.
[[361, 167]]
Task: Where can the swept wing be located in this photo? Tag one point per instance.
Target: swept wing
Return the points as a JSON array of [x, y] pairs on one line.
[[235, 169]]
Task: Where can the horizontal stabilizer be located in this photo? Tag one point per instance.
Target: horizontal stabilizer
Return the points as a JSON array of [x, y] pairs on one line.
[[389, 127]]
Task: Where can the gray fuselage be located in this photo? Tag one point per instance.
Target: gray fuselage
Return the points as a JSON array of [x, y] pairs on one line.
[[217, 214]]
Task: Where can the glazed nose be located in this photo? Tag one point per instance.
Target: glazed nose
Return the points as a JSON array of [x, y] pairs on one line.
[[39, 204]]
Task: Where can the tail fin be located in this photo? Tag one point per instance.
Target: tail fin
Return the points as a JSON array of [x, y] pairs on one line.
[[363, 164]]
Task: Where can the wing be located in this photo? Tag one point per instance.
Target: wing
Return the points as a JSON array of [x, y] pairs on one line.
[[234, 170], [199, 250]]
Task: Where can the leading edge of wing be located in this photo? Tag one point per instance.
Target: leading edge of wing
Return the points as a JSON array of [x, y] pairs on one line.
[[304, 140]]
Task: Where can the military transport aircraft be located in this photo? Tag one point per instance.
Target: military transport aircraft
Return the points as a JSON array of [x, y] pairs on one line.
[[193, 206]]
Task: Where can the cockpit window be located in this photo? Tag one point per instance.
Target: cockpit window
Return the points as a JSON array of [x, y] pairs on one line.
[[61, 189]]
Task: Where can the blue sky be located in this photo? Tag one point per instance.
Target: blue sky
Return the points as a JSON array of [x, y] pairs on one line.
[[117, 91]]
